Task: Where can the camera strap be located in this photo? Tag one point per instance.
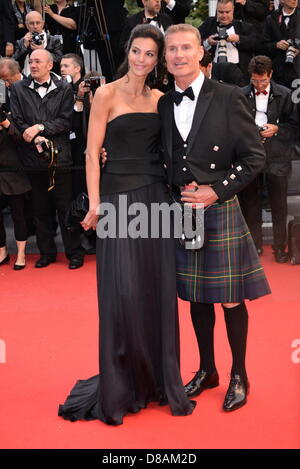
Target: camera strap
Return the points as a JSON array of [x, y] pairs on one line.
[[52, 163]]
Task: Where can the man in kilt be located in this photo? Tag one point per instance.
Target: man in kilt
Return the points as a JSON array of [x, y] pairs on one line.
[[212, 143]]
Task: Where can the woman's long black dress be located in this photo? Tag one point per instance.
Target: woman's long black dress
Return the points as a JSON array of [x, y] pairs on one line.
[[139, 339]]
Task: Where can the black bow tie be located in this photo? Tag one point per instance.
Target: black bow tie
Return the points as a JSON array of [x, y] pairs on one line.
[[148, 20], [38, 85], [177, 96]]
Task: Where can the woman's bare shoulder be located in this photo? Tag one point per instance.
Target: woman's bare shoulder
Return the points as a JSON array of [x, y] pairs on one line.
[[157, 93]]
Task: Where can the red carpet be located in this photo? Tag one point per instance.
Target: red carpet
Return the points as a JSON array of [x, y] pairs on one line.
[[49, 326]]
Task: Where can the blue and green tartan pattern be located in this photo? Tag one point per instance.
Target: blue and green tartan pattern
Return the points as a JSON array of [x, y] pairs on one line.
[[227, 269]]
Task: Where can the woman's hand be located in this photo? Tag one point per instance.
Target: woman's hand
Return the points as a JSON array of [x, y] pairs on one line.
[[90, 221]]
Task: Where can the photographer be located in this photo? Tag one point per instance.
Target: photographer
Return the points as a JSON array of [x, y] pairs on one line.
[[42, 108], [278, 41], [71, 67], [35, 39], [177, 9], [277, 120], [239, 37]]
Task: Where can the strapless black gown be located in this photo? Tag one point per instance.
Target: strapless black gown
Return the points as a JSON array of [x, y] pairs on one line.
[[139, 336]]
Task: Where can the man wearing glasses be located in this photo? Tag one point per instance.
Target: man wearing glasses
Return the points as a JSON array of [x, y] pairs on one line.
[[276, 118]]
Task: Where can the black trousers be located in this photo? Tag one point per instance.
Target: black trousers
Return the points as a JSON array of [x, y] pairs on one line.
[[251, 204], [45, 204], [18, 213]]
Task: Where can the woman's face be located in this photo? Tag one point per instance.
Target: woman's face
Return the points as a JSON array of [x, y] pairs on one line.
[[142, 56]]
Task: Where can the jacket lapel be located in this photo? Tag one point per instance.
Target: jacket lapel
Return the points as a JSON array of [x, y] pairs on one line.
[[202, 105]]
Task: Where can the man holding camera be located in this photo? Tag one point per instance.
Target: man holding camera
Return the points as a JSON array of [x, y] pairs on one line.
[[280, 42], [232, 39], [42, 106], [35, 39], [151, 15], [276, 117]]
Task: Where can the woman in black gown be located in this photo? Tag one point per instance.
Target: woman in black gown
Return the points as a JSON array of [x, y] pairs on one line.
[[139, 339]]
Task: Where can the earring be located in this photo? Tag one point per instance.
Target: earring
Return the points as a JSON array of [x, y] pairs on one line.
[[155, 71]]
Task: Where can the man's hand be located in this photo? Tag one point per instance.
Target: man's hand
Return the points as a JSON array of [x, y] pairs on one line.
[[9, 49], [211, 41], [27, 39], [271, 129], [103, 157], [36, 46], [82, 89], [203, 195], [233, 38], [242, 2], [30, 133], [283, 45]]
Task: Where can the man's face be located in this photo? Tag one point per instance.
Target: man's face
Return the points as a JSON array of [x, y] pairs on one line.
[[261, 82], [289, 3], [8, 77], [152, 6], [40, 65], [69, 67], [225, 13], [183, 54], [34, 23]]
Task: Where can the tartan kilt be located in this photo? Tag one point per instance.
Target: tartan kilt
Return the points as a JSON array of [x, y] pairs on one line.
[[227, 268]]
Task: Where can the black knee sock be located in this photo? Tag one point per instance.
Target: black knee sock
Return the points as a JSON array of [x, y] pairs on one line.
[[236, 319], [203, 318]]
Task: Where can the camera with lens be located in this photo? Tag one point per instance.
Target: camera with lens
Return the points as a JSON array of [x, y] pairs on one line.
[[37, 38], [94, 82], [294, 45], [221, 37]]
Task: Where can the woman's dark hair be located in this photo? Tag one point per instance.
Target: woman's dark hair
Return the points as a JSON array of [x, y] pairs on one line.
[[147, 31]]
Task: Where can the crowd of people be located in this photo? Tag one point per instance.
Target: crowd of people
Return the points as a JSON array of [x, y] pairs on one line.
[[249, 43]]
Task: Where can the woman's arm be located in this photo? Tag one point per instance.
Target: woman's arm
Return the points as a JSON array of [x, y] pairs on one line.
[[96, 132], [68, 23]]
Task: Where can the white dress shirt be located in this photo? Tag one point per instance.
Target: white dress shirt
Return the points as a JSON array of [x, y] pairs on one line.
[[184, 112], [262, 107], [42, 91], [287, 16]]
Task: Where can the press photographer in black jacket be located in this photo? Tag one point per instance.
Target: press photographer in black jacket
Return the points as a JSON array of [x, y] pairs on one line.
[[35, 25], [276, 117], [42, 108], [240, 40], [280, 28]]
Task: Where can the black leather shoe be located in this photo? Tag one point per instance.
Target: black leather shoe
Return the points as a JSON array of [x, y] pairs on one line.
[[201, 381], [5, 260], [19, 267], [76, 262], [44, 261], [260, 251], [236, 395], [281, 256]]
